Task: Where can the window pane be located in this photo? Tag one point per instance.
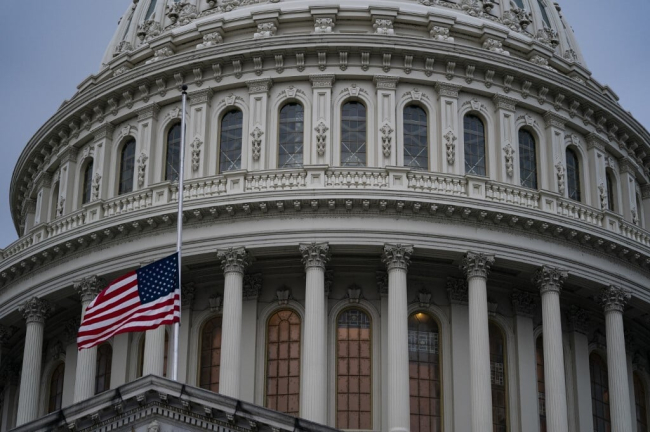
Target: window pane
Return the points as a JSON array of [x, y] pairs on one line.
[[210, 355], [291, 136], [572, 175], [424, 373], [173, 155], [499, 379], [87, 183], [127, 165], [353, 371], [610, 191], [542, 8], [283, 362], [353, 134], [415, 138], [527, 160], [104, 362], [474, 145], [231, 141], [56, 388], [599, 393]]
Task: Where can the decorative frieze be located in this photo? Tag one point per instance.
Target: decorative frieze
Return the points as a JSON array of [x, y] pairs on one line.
[[200, 97], [210, 40], [504, 102], [448, 90], [315, 254], [476, 264], [386, 82], [265, 30], [397, 256], [495, 45], [440, 34], [548, 278], [457, 291], [148, 112], [36, 310], [383, 26], [614, 298], [234, 259], [323, 25], [88, 288], [262, 85], [322, 81]]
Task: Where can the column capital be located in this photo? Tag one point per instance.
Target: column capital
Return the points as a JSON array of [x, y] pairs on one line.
[[89, 287], [549, 279], [457, 291], [252, 286], [578, 320], [382, 283], [524, 303], [614, 298], [397, 256], [70, 330], [187, 294], [36, 310], [234, 260], [315, 254], [6, 333], [476, 264]]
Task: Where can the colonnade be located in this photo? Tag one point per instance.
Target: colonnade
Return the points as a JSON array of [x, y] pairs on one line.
[[396, 257]]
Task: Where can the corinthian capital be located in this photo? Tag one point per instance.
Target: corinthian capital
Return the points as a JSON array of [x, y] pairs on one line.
[[614, 298], [549, 279], [36, 310], [6, 333], [89, 287], [315, 254], [234, 259], [397, 256], [476, 264]]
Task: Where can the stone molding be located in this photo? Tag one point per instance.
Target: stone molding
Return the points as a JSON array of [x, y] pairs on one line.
[[188, 292], [382, 283], [549, 279], [262, 85], [386, 82], [476, 264], [234, 260], [314, 254], [148, 112], [252, 286], [89, 287], [322, 81], [447, 89], [614, 298], [523, 303], [578, 320], [397, 256], [36, 310], [457, 291]]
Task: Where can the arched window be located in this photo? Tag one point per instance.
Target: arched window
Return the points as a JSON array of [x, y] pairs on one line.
[[639, 211], [353, 371], [474, 145], [542, 8], [173, 155], [231, 141], [283, 362], [640, 404], [541, 389], [87, 183], [599, 393], [127, 166], [527, 159], [104, 363], [55, 202], [519, 3], [353, 134], [416, 138], [56, 388], [141, 356], [151, 10], [572, 174], [610, 191], [499, 379], [291, 137], [210, 355], [424, 373]]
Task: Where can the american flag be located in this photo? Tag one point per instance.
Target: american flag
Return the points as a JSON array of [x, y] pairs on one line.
[[140, 300]]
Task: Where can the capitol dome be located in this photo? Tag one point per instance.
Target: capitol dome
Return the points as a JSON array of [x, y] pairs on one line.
[[399, 215]]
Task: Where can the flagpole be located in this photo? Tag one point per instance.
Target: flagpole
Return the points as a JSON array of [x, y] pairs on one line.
[[179, 225]]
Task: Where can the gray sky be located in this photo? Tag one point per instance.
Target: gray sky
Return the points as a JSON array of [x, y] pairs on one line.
[[50, 46]]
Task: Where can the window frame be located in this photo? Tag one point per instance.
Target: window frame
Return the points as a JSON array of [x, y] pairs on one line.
[[87, 180], [482, 122], [535, 147], [48, 407], [427, 135], [108, 371], [284, 105], [121, 172], [166, 154], [220, 135], [506, 382], [366, 131], [578, 173], [603, 362], [200, 349]]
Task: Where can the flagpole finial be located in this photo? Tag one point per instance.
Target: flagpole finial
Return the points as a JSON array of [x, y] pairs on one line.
[[184, 88]]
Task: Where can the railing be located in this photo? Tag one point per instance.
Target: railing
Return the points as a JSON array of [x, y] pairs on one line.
[[503, 193], [435, 183], [316, 177]]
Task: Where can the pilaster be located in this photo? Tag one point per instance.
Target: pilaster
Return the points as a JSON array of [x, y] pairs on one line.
[[188, 292], [386, 122], [450, 153], [149, 148], [254, 150], [67, 181], [43, 196], [554, 153], [458, 297], [198, 127], [628, 189], [504, 158], [524, 305], [252, 289], [320, 151], [596, 159], [103, 142]]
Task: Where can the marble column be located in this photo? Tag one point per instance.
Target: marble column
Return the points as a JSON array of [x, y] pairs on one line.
[[549, 281], [233, 261], [35, 311], [476, 266], [154, 352], [84, 383], [313, 395], [613, 299], [397, 259]]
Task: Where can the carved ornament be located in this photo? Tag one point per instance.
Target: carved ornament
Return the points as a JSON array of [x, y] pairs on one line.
[[89, 287], [614, 298], [234, 260], [35, 310], [549, 279], [397, 256], [314, 254], [476, 264]]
